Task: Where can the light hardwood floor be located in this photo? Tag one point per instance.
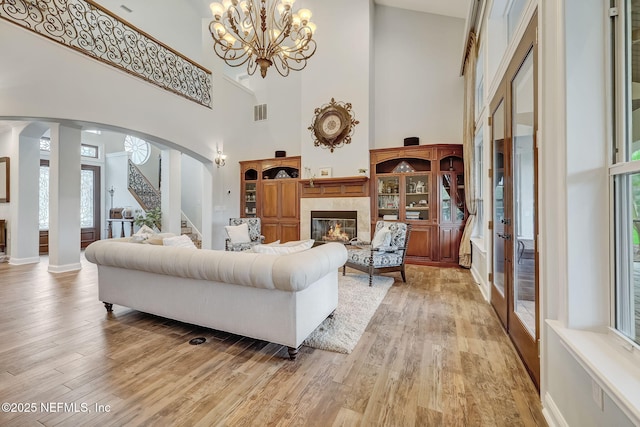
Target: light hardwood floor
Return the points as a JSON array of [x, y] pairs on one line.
[[434, 354]]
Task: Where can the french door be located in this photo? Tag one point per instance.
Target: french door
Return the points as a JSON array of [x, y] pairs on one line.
[[514, 289]]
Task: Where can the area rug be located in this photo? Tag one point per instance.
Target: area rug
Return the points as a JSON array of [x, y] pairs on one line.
[[357, 302]]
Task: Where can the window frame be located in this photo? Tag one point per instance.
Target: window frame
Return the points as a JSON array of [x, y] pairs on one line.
[[478, 146], [620, 172]]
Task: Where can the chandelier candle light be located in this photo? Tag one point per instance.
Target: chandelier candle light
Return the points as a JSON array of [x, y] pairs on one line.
[[262, 33]]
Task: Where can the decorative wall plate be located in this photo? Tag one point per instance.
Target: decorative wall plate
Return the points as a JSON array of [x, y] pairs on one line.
[[333, 125]]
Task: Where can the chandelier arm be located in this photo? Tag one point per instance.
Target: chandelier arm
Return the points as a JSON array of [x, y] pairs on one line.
[[252, 17], [274, 45]]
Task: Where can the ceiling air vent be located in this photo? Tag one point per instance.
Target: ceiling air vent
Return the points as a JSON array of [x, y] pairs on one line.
[[259, 112]]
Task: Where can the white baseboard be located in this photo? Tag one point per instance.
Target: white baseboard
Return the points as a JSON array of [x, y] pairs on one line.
[[551, 413], [481, 284], [23, 261], [64, 268]]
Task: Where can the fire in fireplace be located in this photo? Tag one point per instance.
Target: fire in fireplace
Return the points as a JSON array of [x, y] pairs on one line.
[[334, 226]]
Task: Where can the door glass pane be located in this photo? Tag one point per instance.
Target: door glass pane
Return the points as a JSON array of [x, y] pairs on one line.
[[43, 210], [498, 198], [524, 292], [86, 199]]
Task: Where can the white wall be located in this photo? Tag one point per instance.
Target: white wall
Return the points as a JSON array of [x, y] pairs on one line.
[[418, 89], [96, 93], [339, 69], [191, 191]]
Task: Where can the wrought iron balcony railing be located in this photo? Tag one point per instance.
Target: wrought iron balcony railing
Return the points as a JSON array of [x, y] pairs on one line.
[[89, 28]]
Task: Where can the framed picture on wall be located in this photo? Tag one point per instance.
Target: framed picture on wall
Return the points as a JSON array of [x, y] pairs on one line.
[[324, 172], [4, 180]]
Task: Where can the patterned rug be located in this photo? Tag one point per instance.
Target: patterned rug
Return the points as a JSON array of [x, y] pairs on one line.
[[357, 303]]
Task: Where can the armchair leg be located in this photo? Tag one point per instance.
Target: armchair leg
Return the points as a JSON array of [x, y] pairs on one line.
[[344, 269], [404, 278]]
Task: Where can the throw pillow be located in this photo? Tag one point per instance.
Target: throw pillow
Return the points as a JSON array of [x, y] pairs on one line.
[[382, 238], [157, 239], [182, 241], [238, 233], [284, 248], [143, 234]]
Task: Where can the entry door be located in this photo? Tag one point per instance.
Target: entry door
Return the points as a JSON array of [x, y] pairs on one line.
[[89, 205], [515, 290]]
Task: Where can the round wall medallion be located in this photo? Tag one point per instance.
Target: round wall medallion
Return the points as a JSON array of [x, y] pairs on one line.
[[333, 125]]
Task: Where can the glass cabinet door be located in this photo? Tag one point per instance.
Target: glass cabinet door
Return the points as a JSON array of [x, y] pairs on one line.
[[417, 197], [388, 197], [250, 199], [446, 201], [451, 197], [460, 201]]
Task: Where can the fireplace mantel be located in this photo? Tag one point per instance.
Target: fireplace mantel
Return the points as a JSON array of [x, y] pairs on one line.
[[348, 186]]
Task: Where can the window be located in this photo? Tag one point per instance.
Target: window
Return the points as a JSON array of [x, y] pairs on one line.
[[43, 201], [514, 15], [625, 175], [139, 149], [478, 172], [45, 144], [89, 151]]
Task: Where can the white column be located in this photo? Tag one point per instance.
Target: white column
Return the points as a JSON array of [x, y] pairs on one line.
[[170, 191], [25, 171], [64, 199], [207, 206]]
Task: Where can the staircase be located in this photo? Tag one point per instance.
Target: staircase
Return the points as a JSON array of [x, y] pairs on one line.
[[149, 198], [187, 230]]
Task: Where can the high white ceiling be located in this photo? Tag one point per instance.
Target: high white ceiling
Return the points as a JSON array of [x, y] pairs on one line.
[[455, 8]]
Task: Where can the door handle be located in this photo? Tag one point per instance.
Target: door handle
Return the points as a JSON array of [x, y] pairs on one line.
[[504, 236]]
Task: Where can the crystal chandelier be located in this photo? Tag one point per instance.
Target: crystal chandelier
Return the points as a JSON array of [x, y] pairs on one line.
[[262, 33]]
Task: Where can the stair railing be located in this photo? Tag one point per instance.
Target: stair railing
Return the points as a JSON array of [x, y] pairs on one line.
[[141, 189]]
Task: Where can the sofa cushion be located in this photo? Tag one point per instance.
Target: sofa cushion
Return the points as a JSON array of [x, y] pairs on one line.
[[182, 241], [238, 233], [292, 272], [284, 248]]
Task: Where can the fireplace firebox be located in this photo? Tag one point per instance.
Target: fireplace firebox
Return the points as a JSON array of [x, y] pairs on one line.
[[334, 226]]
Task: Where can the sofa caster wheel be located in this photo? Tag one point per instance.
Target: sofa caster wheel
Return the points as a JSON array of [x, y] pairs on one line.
[[108, 306], [293, 353]]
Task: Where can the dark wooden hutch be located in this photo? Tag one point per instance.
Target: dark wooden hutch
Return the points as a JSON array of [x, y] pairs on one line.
[[422, 185]]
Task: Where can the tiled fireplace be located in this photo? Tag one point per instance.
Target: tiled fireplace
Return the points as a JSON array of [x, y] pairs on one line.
[[359, 205], [334, 226], [343, 194]]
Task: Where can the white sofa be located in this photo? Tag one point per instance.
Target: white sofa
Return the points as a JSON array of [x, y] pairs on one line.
[[276, 298]]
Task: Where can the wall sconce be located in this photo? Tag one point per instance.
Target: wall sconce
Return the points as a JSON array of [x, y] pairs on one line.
[[220, 159]]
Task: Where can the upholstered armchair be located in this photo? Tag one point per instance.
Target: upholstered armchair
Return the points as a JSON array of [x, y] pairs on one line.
[[243, 234], [386, 252]]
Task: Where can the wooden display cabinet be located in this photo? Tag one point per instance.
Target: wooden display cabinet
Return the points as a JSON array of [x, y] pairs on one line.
[[270, 192], [249, 189], [420, 185]]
